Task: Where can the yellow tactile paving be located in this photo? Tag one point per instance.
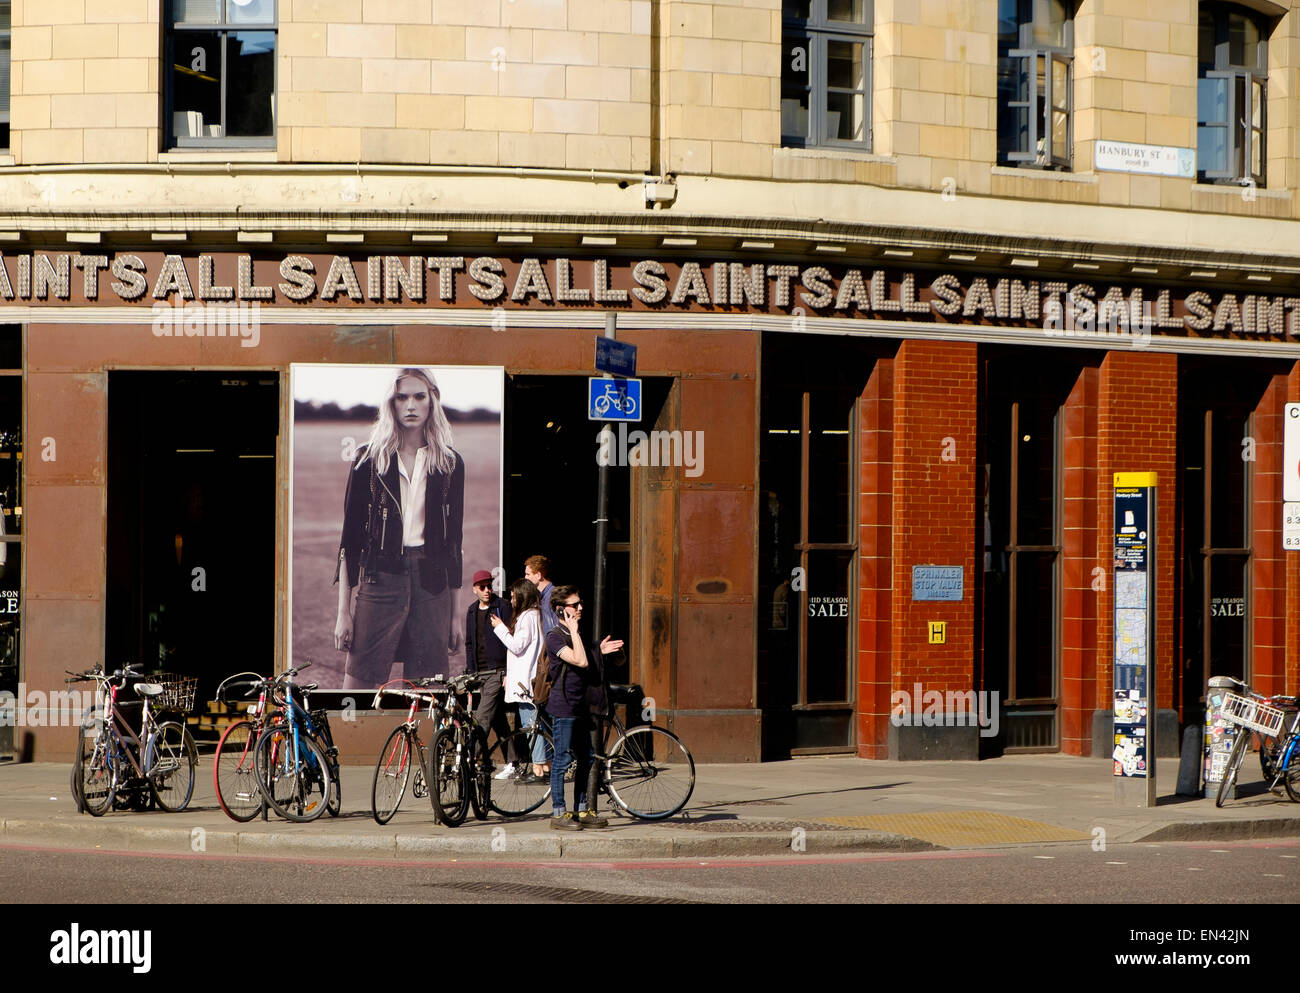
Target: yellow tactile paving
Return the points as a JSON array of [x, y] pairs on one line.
[[962, 829]]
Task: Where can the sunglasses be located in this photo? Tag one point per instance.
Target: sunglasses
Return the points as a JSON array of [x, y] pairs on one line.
[[482, 586], [575, 605]]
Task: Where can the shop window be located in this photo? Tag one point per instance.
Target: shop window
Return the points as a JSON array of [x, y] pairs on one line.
[[826, 74], [1035, 82], [5, 20], [221, 83], [1231, 95], [11, 515]]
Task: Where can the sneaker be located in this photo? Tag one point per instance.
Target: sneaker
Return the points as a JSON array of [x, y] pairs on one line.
[[566, 822], [590, 819], [508, 771]]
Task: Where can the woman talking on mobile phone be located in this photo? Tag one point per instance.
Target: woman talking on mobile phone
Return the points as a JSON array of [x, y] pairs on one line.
[[400, 554]]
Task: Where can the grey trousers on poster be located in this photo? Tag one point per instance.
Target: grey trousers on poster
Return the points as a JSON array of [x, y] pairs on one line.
[[398, 620], [491, 712]]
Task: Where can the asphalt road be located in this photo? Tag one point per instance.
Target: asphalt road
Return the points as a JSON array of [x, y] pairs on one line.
[[1173, 873]]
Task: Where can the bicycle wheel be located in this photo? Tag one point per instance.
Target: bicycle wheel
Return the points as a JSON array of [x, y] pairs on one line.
[[650, 773], [1234, 763], [480, 794], [521, 794], [296, 787], [392, 772], [96, 764], [1291, 774], [170, 764], [335, 804], [448, 791], [234, 775]]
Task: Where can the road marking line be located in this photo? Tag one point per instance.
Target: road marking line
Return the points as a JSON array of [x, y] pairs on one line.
[[1117, 863], [1046, 857]]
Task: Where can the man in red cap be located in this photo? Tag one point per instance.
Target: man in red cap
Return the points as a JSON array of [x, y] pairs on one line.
[[485, 653]]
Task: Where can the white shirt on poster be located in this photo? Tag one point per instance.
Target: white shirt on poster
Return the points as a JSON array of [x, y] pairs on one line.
[[413, 497]]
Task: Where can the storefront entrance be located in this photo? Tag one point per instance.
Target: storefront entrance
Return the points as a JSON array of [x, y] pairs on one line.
[[191, 585]]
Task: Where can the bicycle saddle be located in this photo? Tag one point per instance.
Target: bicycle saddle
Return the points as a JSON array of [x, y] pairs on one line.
[[148, 689]]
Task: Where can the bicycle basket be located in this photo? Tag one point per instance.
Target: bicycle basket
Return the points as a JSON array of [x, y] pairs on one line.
[[178, 691], [1252, 714]]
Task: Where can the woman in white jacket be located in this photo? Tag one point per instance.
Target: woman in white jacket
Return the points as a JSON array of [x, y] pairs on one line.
[[523, 640]]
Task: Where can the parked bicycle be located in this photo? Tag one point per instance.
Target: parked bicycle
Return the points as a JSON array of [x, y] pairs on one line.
[[233, 772], [404, 752], [521, 792], [292, 769], [161, 759], [648, 772], [459, 772], [1256, 716]]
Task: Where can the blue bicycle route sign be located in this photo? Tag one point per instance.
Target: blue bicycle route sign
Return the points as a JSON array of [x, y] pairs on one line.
[[613, 399]]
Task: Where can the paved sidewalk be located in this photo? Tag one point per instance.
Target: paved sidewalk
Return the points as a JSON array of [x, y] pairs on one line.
[[815, 805]]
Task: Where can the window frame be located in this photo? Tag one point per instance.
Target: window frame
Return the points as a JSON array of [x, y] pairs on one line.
[[1027, 54], [816, 31], [6, 33], [224, 29], [1223, 68]]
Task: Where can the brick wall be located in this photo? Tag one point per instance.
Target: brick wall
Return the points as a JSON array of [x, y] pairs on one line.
[[1268, 563], [1078, 559], [1137, 410], [875, 559], [933, 508]]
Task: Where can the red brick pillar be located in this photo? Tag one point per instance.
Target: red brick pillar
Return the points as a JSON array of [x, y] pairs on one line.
[[934, 523], [1268, 563], [875, 534], [1291, 661], [1137, 423], [1079, 538]]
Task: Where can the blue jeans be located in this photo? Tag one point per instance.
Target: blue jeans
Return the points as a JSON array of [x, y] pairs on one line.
[[527, 718], [571, 739]]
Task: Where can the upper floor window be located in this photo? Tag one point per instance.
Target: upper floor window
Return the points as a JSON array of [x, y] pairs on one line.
[[221, 87], [5, 8], [1231, 93], [1035, 82], [826, 74]]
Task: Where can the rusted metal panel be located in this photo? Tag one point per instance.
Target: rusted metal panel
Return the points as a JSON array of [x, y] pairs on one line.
[[717, 560], [715, 655], [720, 415]]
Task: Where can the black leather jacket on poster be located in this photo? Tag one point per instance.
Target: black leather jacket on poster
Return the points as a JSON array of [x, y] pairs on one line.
[[372, 524]]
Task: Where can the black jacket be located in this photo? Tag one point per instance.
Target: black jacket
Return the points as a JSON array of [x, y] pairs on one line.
[[372, 524], [494, 649]]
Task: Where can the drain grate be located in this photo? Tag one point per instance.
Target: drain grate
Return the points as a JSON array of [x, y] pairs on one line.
[[563, 894]]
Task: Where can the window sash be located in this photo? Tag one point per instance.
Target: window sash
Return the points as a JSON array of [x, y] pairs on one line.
[[818, 89], [1039, 146], [1241, 133]]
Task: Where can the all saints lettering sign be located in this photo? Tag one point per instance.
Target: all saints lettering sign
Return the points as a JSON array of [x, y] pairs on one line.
[[1055, 305]]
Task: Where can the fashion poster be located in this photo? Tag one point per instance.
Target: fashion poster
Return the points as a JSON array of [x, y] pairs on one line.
[[396, 497]]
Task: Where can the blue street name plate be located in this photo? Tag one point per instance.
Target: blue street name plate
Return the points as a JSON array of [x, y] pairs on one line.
[[937, 582], [613, 399], [615, 357]]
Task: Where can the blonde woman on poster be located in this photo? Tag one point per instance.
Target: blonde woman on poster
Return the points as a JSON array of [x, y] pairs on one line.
[[400, 554]]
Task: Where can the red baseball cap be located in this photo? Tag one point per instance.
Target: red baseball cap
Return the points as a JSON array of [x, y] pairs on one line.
[[482, 576]]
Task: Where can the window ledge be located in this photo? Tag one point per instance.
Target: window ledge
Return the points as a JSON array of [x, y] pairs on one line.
[[844, 154], [1046, 175], [7, 160], [219, 155], [1234, 191]]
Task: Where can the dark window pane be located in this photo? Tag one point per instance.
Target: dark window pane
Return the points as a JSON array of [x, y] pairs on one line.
[[1013, 122], [1035, 612], [196, 84], [1243, 40], [1228, 481], [844, 116], [851, 11], [829, 464], [1205, 39], [828, 612], [11, 613], [250, 93], [795, 78], [1227, 618], [1036, 453], [796, 8], [844, 65], [11, 454], [1008, 25]]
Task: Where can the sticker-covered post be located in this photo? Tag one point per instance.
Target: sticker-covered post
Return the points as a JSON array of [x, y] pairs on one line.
[[1135, 613]]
